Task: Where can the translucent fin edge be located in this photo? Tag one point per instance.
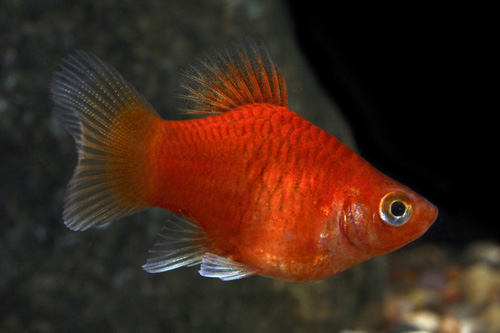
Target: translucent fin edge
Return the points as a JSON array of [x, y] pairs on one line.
[[214, 266]]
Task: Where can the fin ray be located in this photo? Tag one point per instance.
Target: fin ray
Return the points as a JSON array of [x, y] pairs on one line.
[[214, 266], [226, 79], [181, 243]]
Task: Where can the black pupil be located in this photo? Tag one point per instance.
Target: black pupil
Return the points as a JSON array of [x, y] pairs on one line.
[[398, 208]]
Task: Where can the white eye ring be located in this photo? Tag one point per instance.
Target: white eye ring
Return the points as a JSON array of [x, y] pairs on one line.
[[395, 209]]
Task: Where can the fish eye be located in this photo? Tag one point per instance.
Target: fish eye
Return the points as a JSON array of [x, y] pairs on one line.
[[395, 209]]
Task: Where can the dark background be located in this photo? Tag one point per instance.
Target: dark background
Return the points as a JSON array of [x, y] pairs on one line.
[[406, 79]]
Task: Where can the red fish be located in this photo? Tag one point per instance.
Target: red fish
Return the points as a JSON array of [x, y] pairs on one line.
[[255, 188]]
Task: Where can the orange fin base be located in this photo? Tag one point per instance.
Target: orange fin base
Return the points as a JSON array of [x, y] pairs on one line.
[[232, 77]]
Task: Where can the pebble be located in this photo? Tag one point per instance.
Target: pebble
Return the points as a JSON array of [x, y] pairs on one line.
[[425, 320], [482, 251], [458, 294], [448, 324], [478, 283], [491, 317]]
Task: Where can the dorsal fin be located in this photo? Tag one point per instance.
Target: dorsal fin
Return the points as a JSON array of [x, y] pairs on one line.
[[231, 77]]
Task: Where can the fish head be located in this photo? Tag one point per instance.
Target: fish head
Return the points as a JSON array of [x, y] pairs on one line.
[[384, 215]]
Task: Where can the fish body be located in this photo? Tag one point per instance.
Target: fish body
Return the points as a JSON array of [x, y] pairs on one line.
[[257, 189]]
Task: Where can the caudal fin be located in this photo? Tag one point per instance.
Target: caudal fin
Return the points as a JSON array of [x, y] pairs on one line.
[[110, 123]]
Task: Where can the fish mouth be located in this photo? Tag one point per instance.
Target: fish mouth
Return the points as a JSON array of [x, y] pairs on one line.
[[433, 214], [425, 211]]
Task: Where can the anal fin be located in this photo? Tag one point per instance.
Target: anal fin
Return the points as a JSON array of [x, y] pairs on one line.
[[181, 243]]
